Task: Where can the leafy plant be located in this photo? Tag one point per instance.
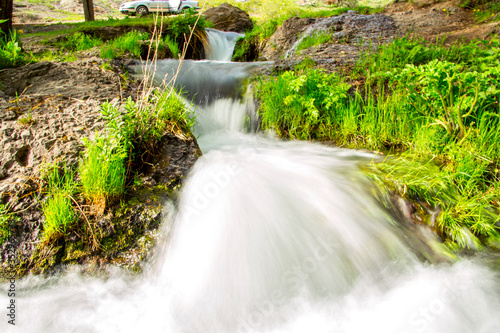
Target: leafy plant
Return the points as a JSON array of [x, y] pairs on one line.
[[11, 54], [426, 102], [298, 104]]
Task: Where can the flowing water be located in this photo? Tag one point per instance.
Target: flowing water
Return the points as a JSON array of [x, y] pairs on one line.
[[267, 236]]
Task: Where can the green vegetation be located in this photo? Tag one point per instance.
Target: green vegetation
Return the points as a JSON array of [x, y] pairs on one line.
[[436, 108], [316, 39], [109, 161], [11, 54], [484, 10], [7, 219], [102, 171], [79, 42], [26, 119], [172, 45], [58, 210], [129, 42]]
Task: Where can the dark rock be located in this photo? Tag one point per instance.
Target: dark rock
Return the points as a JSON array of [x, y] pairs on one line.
[[284, 37], [176, 158], [226, 17]]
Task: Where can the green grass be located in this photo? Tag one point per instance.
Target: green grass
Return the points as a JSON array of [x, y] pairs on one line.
[[172, 46], [102, 171], [435, 107], [315, 39], [79, 42], [7, 221], [134, 129], [136, 124], [58, 209], [130, 42]]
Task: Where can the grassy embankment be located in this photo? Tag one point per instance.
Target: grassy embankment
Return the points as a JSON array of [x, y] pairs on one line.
[[433, 109]]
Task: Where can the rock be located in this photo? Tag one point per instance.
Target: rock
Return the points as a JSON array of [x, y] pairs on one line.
[[350, 34], [46, 78], [177, 157], [284, 37], [226, 17]]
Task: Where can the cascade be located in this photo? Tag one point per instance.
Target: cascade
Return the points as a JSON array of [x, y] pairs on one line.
[[221, 44], [267, 236]]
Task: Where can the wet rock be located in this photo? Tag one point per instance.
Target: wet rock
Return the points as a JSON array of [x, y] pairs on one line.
[[226, 17], [285, 37], [176, 158]]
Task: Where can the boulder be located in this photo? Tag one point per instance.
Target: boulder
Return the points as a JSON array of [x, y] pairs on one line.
[[226, 17], [284, 37]]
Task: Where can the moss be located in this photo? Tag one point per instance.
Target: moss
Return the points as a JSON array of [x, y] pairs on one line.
[[75, 251], [46, 257]]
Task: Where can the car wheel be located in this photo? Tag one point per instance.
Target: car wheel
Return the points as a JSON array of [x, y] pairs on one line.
[[142, 11]]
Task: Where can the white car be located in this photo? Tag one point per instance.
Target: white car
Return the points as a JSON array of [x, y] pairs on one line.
[[142, 8]]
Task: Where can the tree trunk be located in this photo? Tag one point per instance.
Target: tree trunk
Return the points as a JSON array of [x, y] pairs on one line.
[[6, 14], [88, 9]]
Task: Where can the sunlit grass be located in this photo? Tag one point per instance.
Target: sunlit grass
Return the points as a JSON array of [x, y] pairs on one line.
[[57, 209], [434, 108]]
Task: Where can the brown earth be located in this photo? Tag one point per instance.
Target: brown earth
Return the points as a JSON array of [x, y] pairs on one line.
[[46, 110], [431, 19], [61, 10]]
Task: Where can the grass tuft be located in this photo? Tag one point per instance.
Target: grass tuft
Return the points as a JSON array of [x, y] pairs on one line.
[[57, 209]]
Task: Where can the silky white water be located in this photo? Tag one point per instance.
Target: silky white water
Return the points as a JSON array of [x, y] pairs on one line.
[[268, 236]]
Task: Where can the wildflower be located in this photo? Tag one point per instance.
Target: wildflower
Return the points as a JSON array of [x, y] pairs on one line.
[[20, 31]]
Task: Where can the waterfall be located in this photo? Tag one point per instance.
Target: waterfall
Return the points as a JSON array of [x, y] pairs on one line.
[[221, 44], [267, 236]]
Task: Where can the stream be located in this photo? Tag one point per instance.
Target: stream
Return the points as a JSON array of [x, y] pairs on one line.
[[267, 236]]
